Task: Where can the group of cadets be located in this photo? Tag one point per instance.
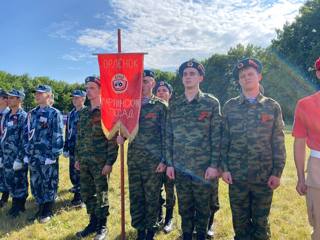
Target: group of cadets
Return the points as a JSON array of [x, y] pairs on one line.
[[183, 141]]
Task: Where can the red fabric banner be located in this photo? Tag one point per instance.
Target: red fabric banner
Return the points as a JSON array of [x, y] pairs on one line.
[[121, 81]]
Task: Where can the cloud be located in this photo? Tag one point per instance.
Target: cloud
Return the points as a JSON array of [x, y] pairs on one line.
[[62, 29], [173, 31], [78, 55], [94, 38]]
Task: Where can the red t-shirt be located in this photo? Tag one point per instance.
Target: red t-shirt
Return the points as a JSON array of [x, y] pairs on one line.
[[307, 120]]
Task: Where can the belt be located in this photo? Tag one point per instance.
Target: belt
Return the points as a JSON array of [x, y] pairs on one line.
[[315, 153]]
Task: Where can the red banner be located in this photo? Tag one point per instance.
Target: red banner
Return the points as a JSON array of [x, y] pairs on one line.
[[121, 82]]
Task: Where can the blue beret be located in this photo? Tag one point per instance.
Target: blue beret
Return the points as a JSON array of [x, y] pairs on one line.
[[78, 93], [191, 64], [94, 79], [3, 93], [149, 73], [43, 89], [163, 83], [246, 62], [16, 93]]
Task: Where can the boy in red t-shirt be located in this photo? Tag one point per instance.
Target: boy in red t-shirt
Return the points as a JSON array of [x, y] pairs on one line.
[[306, 131]]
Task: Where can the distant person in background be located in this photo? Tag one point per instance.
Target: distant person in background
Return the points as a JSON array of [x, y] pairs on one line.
[[78, 99], [306, 131], [164, 91], [3, 110]]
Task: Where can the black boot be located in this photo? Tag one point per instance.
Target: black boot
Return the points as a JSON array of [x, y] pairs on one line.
[[210, 232], [150, 234], [14, 207], [141, 235], [101, 229], [47, 212], [201, 236], [77, 200], [4, 199], [18, 205], [37, 214], [22, 204], [187, 236], [89, 229], [168, 223]]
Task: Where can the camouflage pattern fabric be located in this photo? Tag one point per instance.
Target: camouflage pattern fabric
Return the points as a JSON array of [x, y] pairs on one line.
[[145, 153], [69, 146], [193, 145], [45, 143], [94, 151], [11, 150], [252, 150], [2, 183]]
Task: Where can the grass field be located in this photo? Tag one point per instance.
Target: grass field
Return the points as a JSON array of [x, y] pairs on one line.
[[288, 214]]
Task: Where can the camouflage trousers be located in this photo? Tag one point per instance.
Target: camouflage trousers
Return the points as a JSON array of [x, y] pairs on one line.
[[2, 182], [170, 198], [94, 188], [74, 174], [195, 200], [44, 181], [250, 207], [144, 190], [17, 182], [214, 197]]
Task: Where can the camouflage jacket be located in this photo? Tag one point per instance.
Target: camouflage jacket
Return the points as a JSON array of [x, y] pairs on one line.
[[91, 143], [150, 139], [2, 114], [71, 131], [252, 146], [193, 135], [45, 134], [13, 138]]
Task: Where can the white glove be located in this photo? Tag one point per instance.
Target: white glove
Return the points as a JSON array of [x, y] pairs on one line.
[[49, 161], [66, 154], [1, 164], [17, 165], [26, 159]]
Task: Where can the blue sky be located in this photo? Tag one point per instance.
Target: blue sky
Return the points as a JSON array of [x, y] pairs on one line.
[[57, 38]]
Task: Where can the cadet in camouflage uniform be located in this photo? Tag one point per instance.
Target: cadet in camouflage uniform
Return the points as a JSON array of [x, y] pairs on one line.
[[193, 149], [45, 143], [146, 161], [12, 152], [252, 153], [78, 98], [3, 110], [94, 156], [164, 91]]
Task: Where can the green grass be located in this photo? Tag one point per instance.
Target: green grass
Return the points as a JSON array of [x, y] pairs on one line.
[[288, 214]]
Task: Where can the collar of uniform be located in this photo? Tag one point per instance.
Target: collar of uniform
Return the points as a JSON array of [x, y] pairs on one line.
[[260, 98], [196, 98], [152, 99], [18, 112], [5, 110]]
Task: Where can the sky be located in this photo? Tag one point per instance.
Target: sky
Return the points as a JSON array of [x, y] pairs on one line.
[[57, 38]]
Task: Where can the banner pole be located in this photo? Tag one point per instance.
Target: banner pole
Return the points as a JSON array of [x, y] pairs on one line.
[[123, 226]]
